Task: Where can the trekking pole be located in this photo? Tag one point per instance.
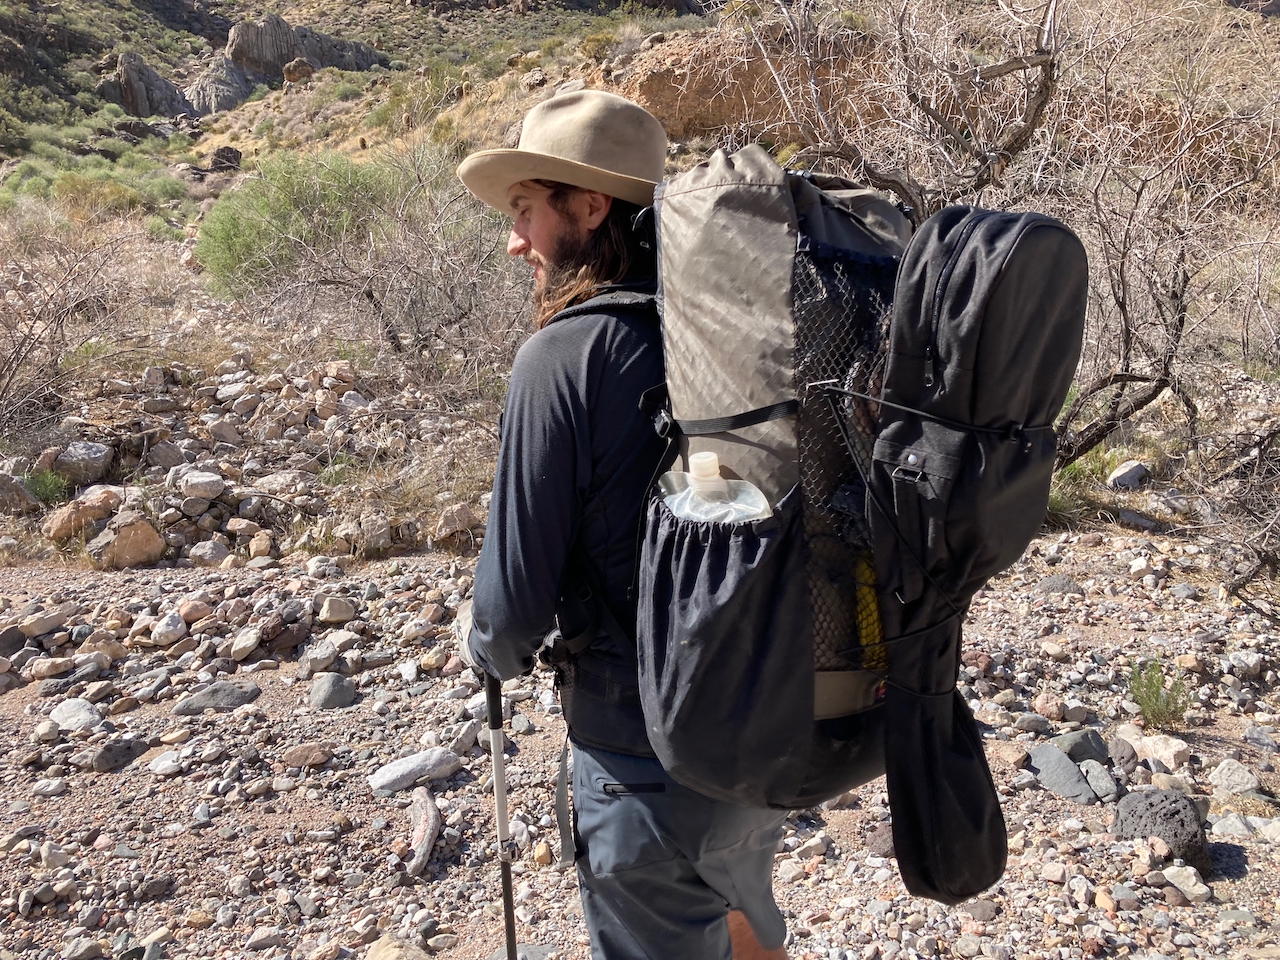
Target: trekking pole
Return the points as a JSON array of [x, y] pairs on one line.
[[493, 697]]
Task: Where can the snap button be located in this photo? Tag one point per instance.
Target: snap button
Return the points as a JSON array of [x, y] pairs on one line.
[[912, 459]]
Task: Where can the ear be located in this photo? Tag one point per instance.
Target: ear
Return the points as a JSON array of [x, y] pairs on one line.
[[596, 207]]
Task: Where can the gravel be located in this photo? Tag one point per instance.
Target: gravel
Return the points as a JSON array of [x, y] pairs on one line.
[[251, 826]]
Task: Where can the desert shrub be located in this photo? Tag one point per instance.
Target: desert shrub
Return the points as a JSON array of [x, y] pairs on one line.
[[598, 46], [47, 486], [295, 208], [392, 253], [90, 198], [1163, 704], [13, 133], [158, 228]]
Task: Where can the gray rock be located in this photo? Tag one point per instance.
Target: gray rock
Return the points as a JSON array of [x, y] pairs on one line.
[[1059, 583], [1184, 591], [1130, 475], [1187, 879], [209, 553], [263, 938], [82, 948], [1254, 734], [524, 951], [16, 498], [1232, 825], [202, 484], [317, 656], [1058, 774], [223, 85], [50, 787], [337, 610], [169, 629], [331, 691], [115, 754], [83, 462], [429, 764], [1032, 723], [1246, 664], [141, 91], [1123, 756], [1232, 776], [76, 714], [166, 455], [222, 696], [1169, 815], [1082, 745], [1100, 780], [12, 640]]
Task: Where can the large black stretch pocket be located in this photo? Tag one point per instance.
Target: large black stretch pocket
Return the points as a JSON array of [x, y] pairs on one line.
[[725, 643]]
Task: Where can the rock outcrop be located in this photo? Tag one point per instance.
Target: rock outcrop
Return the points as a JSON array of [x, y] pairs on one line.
[[142, 92], [224, 84], [260, 52]]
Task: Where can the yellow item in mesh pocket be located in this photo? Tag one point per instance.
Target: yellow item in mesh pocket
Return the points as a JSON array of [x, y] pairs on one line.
[[870, 631]]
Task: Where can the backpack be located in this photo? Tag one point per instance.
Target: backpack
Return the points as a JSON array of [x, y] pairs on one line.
[[893, 398]]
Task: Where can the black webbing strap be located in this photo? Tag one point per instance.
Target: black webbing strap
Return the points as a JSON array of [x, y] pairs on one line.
[[1014, 431], [737, 421]]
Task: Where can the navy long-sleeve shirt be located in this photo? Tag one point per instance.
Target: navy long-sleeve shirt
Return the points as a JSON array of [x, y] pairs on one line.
[[575, 460]]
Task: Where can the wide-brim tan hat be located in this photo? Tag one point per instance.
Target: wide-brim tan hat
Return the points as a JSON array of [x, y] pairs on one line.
[[587, 138]]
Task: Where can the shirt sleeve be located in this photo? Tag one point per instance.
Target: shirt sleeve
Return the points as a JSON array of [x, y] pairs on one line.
[[544, 467]]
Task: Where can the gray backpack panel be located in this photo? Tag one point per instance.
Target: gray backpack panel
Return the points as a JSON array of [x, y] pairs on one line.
[[767, 631]]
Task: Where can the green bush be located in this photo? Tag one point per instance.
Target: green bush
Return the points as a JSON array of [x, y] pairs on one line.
[[598, 46], [1162, 705], [47, 486], [13, 133], [93, 196], [158, 228], [295, 207]]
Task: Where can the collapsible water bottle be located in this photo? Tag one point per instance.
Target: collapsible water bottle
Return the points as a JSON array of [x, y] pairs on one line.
[[702, 494]]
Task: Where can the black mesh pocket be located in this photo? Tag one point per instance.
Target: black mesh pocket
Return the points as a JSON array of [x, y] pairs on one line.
[[842, 304]]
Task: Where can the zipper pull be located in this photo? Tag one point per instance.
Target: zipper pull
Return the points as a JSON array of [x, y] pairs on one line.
[[928, 366]]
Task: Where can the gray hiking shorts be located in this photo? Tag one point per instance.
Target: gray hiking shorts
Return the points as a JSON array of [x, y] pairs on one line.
[[660, 865]]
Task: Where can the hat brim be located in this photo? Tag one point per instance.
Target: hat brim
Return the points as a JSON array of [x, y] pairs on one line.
[[490, 175]]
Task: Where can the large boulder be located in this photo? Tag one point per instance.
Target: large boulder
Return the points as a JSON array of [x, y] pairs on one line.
[[71, 519], [223, 85], [268, 46], [1169, 815], [129, 541], [142, 92], [264, 47], [84, 462], [329, 51], [16, 498]]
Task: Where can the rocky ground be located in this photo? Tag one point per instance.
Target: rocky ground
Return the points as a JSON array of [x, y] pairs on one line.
[[254, 739], [248, 762]]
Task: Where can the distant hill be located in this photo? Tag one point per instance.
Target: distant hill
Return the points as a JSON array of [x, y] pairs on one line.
[[53, 57]]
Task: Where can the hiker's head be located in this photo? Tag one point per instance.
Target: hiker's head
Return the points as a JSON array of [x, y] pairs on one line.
[[587, 162], [576, 240]]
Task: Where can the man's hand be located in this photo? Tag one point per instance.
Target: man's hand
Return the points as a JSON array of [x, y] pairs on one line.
[[462, 632]]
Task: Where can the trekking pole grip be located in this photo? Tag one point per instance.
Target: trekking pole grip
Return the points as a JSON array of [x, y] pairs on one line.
[[493, 700]]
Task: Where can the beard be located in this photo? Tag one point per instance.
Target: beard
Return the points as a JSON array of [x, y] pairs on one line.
[[559, 271]]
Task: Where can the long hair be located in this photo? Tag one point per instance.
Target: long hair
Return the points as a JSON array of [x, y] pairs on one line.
[[615, 252]]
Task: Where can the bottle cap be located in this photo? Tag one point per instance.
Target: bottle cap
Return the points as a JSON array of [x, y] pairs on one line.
[[704, 465]]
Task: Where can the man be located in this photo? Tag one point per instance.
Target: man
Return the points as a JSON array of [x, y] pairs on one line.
[[665, 873]]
